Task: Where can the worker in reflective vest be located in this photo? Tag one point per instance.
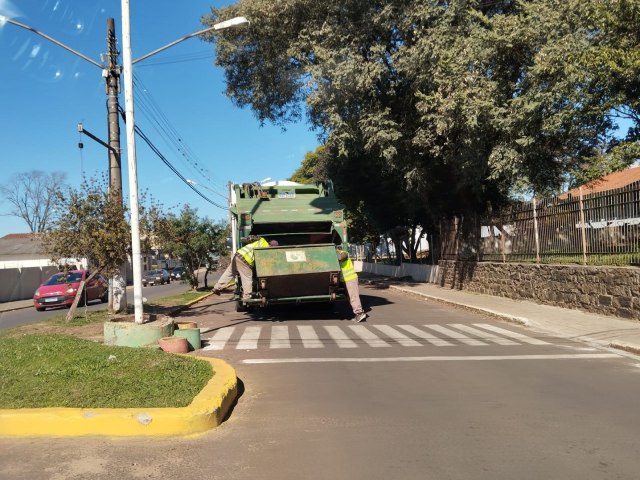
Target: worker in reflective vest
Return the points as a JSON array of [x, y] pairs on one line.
[[242, 264], [350, 278]]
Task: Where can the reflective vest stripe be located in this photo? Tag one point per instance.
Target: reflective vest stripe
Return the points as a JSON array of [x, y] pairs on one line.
[[247, 251], [348, 271]]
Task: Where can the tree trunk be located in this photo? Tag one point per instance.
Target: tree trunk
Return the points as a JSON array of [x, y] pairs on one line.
[[72, 310]]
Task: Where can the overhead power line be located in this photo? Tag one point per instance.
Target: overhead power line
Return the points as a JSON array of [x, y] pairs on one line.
[[173, 169], [155, 150], [152, 111]]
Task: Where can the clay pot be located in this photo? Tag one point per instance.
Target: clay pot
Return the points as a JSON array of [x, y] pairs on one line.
[[174, 344]]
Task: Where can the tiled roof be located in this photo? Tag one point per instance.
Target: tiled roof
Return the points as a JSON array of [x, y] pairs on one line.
[[17, 244], [18, 236], [608, 182]]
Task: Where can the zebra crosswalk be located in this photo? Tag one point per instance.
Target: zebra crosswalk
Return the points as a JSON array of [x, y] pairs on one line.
[[358, 335]]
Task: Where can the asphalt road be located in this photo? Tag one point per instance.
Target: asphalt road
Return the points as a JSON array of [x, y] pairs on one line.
[[26, 316], [419, 391]]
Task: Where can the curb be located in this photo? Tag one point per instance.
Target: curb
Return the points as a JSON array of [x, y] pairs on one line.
[[180, 308], [13, 309], [207, 410]]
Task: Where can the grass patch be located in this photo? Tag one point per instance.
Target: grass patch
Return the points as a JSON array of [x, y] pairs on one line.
[[41, 371], [181, 298]]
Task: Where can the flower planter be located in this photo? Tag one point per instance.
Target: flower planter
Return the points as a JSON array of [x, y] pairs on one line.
[[124, 332]]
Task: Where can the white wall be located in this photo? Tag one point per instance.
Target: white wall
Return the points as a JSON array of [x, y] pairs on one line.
[[420, 273]]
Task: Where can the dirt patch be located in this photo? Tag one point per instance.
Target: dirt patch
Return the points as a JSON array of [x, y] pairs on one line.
[[91, 331]]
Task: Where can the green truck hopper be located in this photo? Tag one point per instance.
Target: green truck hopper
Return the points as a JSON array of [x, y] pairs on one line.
[[308, 223]]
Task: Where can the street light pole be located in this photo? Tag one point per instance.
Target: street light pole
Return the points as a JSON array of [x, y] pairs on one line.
[[136, 257], [131, 142]]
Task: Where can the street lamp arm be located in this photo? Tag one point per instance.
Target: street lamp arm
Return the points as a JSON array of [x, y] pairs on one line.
[[4, 19], [81, 129], [218, 26]]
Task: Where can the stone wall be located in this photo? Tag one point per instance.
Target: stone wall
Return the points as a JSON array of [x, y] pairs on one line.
[[604, 290]]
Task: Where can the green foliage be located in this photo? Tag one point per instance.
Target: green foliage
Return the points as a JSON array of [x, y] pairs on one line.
[[41, 371], [313, 168], [434, 109], [193, 240], [91, 225]]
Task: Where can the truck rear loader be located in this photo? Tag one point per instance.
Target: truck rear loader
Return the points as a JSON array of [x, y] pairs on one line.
[[307, 220]]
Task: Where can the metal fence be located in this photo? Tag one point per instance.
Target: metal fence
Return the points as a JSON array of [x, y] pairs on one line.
[[600, 228]]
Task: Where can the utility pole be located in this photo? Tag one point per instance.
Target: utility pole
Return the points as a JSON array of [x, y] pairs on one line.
[[117, 284], [112, 73]]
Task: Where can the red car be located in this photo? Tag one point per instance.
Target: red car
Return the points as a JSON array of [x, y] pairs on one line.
[[61, 288]]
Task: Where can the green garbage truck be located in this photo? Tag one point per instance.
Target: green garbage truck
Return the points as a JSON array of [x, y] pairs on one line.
[[307, 220]]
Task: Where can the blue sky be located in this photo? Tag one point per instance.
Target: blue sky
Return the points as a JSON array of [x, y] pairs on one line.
[[179, 99]]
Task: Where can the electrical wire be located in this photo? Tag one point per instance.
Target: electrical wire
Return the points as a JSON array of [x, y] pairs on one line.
[[150, 109], [203, 55], [146, 139]]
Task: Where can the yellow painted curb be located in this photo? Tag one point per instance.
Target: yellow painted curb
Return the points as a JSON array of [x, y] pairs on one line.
[[206, 411]]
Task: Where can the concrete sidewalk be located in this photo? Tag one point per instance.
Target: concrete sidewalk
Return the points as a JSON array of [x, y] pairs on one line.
[[591, 328], [16, 305]]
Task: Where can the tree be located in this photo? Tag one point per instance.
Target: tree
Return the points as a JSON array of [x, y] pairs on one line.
[[313, 167], [439, 108], [32, 196], [194, 241], [91, 225]]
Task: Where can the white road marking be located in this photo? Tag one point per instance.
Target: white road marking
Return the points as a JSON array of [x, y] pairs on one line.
[[280, 337], [399, 337], [438, 342], [484, 335], [219, 339], [249, 339], [309, 337], [471, 358], [340, 337], [509, 333], [453, 335], [371, 338]]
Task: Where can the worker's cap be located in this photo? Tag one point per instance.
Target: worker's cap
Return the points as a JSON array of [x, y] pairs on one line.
[[273, 243]]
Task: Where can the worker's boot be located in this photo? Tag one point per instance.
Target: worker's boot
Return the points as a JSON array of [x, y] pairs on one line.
[[360, 317]]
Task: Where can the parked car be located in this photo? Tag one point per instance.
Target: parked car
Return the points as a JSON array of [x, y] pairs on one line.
[[178, 272], [156, 277], [60, 290]]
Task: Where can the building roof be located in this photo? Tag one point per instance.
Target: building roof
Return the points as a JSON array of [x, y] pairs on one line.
[[608, 182], [17, 236], [16, 244]]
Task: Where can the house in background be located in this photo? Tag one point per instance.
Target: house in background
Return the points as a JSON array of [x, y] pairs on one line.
[[611, 181], [23, 266]]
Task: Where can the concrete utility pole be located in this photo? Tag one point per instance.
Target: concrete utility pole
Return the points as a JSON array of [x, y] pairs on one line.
[[112, 73], [117, 284]]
